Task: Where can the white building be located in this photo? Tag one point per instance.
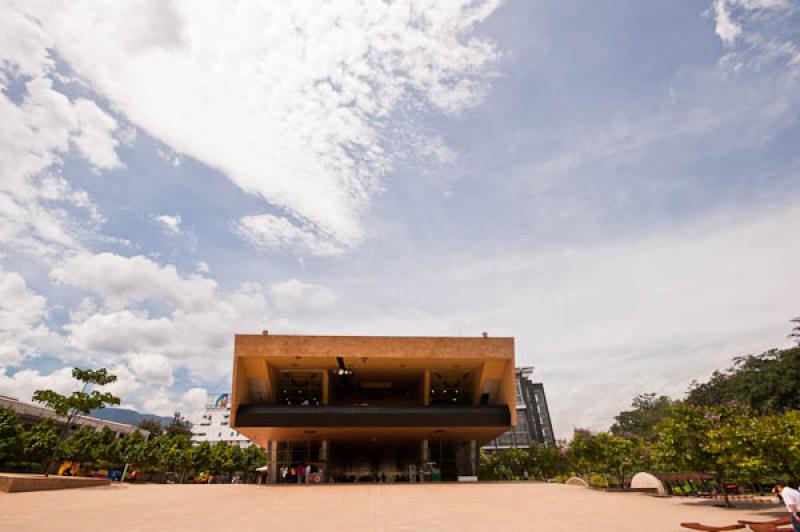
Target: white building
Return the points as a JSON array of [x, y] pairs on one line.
[[214, 426]]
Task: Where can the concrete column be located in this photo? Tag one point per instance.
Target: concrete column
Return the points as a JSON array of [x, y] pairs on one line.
[[273, 462], [323, 457], [424, 457], [474, 454]]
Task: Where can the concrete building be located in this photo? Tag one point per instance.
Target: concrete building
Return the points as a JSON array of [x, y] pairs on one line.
[[533, 416], [31, 413], [214, 426], [373, 408]]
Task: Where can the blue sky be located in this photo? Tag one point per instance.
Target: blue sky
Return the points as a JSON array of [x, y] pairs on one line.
[[614, 184]]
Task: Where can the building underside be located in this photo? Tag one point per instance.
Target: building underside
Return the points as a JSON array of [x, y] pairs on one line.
[[372, 408]]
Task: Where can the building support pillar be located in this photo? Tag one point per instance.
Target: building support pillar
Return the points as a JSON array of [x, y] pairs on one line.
[[273, 461], [424, 458], [475, 456]]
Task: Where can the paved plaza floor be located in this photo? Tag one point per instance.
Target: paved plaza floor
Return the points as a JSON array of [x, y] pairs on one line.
[[492, 507]]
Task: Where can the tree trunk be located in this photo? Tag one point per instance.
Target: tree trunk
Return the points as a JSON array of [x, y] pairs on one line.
[[61, 439], [721, 482]]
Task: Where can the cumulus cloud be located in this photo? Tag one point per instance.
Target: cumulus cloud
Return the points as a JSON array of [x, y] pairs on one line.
[[122, 281], [151, 368], [40, 126], [197, 338], [23, 329], [171, 223], [293, 294], [295, 96], [23, 383]]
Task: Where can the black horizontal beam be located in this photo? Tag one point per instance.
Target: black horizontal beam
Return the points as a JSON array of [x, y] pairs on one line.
[[372, 416]]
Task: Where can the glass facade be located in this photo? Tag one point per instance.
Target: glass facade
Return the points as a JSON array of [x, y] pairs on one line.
[[533, 416]]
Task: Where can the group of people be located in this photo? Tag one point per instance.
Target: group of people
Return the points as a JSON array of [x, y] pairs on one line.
[[296, 474]]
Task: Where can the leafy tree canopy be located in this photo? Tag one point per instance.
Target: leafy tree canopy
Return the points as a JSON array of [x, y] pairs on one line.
[[769, 383], [647, 411]]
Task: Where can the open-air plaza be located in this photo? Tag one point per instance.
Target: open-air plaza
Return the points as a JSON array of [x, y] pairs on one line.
[[400, 265], [515, 506]]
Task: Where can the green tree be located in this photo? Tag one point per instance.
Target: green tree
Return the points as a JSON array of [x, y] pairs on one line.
[[795, 334], [133, 449], [221, 459], [152, 426], [82, 446], [547, 461], [710, 439], [11, 436], [179, 426], [647, 411], [617, 454], [769, 383], [79, 402], [41, 441], [253, 456], [201, 457], [586, 452], [778, 443]]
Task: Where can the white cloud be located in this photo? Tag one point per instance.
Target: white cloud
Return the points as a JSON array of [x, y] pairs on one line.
[[193, 403], [199, 339], [295, 96], [23, 383], [23, 330], [121, 281], [602, 322], [293, 294], [203, 267], [726, 28], [171, 223], [37, 132], [189, 404], [270, 232], [94, 137], [151, 368]]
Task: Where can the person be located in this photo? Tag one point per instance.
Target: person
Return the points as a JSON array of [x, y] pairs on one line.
[[791, 498], [308, 472]]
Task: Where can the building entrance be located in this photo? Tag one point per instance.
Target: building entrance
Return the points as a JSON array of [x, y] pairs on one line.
[[372, 461]]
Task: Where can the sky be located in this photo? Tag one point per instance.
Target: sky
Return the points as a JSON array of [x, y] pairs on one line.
[[615, 184]]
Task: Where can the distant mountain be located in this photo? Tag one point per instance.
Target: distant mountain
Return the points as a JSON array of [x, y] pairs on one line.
[[129, 417]]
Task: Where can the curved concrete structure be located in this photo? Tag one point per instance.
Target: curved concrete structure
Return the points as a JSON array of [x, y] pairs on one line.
[[644, 480], [576, 481]]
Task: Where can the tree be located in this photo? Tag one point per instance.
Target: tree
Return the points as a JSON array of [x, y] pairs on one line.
[[648, 410], [769, 383], [82, 446], [41, 441], [547, 461], [778, 442], [179, 426], [11, 436], [705, 439], [79, 402], [586, 452], [201, 457], [152, 426], [796, 330], [253, 456], [617, 454]]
